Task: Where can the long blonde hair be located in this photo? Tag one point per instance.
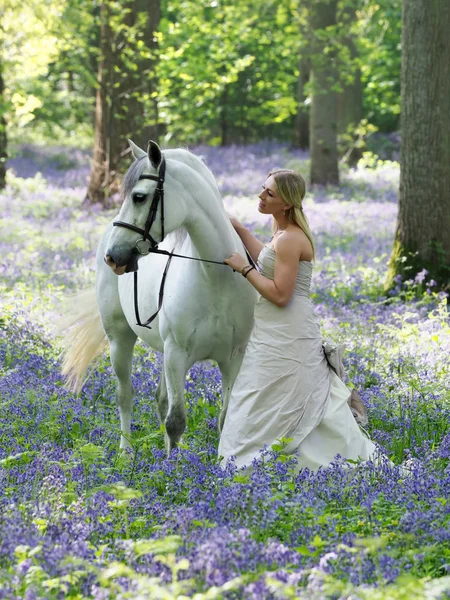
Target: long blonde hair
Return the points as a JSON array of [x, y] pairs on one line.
[[292, 188]]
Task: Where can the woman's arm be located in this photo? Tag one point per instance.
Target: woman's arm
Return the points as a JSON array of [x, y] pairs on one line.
[[279, 290], [253, 245]]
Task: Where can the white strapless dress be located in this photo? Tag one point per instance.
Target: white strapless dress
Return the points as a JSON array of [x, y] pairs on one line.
[[285, 387]]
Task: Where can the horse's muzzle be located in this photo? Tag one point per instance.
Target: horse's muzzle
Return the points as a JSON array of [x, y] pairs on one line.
[[120, 269]]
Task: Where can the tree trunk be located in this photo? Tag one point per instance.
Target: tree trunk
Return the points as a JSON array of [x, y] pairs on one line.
[[126, 104], [301, 128], [422, 239], [224, 122], [3, 138], [350, 104], [101, 180], [151, 129], [323, 113], [350, 100]]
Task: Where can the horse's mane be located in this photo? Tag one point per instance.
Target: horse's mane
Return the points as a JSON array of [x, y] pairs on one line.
[[132, 176]]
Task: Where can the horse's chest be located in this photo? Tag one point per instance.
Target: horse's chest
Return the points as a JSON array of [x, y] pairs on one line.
[[205, 319]]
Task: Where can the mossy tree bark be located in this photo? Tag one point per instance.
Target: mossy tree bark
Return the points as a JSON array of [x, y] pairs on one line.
[[422, 239], [126, 103], [323, 110]]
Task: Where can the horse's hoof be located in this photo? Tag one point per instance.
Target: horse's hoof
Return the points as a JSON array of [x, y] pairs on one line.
[[175, 424]]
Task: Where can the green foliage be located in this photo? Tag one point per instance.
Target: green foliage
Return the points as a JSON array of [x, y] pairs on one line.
[[227, 68], [227, 71], [379, 47], [354, 139], [47, 57]]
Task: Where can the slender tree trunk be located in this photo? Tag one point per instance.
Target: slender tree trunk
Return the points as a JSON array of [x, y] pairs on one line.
[[422, 239], [350, 103], [152, 128], [323, 113], [301, 128], [126, 104], [3, 138], [101, 180], [350, 100], [224, 121]]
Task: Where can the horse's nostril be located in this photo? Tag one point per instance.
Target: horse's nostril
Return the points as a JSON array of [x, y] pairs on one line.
[[109, 261]]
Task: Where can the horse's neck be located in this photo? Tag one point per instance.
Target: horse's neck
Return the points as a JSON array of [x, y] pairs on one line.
[[211, 234], [209, 229]]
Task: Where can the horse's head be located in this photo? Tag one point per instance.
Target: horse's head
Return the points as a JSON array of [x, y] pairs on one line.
[[145, 217]]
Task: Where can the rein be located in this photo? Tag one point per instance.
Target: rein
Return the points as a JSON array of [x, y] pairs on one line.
[[167, 253], [158, 198]]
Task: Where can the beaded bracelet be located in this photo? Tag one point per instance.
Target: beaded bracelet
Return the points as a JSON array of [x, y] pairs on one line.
[[247, 271]]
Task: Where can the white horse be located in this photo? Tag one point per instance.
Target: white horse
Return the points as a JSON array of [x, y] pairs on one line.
[[207, 309]]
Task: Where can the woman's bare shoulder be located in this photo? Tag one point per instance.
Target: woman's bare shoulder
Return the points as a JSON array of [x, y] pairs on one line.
[[296, 239]]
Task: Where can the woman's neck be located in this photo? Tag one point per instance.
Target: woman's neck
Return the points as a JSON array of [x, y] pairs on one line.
[[281, 223]]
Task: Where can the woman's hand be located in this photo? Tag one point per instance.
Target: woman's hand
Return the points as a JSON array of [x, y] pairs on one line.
[[236, 262]]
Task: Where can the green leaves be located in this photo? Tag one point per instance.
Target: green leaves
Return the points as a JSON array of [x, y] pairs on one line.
[[169, 544], [281, 444], [226, 71], [120, 491], [90, 453], [22, 458]]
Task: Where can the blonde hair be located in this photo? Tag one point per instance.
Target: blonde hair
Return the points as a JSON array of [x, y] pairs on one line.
[[292, 188]]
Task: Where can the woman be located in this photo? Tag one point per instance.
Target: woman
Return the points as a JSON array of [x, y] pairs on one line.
[[285, 387]]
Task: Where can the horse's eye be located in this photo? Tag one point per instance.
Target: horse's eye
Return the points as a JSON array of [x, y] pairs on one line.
[[138, 197]]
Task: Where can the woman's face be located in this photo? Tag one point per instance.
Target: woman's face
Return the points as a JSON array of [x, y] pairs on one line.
[[270, 202]]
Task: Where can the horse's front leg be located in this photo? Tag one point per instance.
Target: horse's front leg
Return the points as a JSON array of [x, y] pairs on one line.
[[176, 364], [229, 370], [120, 335], [121, 347], [162, 403]]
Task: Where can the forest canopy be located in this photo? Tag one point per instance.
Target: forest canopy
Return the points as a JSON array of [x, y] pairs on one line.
[[227, 72]]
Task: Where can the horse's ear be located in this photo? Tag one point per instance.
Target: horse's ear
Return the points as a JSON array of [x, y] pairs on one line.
[[154, 154], [136, 151]]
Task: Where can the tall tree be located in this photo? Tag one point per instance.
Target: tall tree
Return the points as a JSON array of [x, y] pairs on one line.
[[301, 128], [422, 238], [350, 99], [300, 138], [323, 111], [126, 94], [3, 139]]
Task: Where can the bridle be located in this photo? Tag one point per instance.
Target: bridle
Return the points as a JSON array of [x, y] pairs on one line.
[[157, 200]]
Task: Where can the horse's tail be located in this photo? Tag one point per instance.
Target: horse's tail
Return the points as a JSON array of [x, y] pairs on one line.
[[84, 339]]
